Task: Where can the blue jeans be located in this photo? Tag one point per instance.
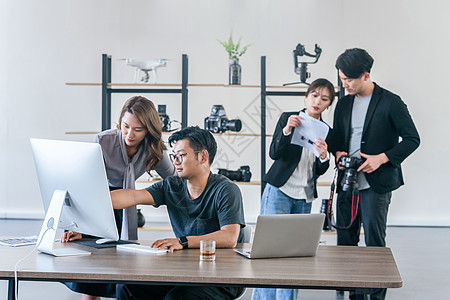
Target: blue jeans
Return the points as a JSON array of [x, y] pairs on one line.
[[274, 201], [279, 294]]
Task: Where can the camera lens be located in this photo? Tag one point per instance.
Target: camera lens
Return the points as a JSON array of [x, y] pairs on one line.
[[349, 179], [232, 175], [351, 164], [233, 125]]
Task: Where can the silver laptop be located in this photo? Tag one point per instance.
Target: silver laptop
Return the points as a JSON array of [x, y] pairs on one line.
[[285, 236]]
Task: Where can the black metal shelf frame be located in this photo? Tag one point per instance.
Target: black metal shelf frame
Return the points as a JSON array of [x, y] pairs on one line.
[[264, 94], [107, 91]]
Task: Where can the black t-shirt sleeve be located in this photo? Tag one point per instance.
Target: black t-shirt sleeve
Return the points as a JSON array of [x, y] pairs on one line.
[[229, 205], [157, 192]]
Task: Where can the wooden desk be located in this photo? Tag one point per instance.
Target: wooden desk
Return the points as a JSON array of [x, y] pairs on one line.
[[334, 267]]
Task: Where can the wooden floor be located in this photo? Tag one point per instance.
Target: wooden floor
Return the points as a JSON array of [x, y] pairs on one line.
[[422, 256]]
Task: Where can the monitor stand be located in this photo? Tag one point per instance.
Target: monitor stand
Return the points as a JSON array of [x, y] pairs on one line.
[[46, 240]]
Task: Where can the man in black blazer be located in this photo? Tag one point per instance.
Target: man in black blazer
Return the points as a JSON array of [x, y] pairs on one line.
[[368, 123]]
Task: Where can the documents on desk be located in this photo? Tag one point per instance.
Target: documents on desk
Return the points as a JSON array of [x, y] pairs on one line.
[[140, 249], [308, 132]]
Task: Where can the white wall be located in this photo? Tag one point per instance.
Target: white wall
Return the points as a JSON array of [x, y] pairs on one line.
[[3, 115], [45, 44]]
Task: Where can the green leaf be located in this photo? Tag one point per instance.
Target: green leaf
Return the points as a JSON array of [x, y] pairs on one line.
[[238, 44], [245, 49], [230, 41], [233, 49]]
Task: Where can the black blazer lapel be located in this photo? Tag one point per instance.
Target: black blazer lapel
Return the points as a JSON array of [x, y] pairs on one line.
[[348, 126]]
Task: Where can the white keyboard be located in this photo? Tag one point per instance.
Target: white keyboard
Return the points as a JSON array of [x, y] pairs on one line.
[[19, 241], [141, 248]]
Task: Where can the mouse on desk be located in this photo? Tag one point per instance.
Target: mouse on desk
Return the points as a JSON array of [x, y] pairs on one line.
[[105, 241]]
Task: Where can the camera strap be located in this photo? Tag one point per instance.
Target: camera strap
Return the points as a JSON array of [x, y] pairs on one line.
[[329, 210]]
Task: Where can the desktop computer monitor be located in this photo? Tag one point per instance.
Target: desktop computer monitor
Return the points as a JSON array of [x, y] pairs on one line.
[[74, 191]]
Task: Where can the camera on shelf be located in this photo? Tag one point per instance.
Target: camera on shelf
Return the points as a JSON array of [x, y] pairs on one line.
[[351, 164], [164, 117], [218, 121], [242, 174]]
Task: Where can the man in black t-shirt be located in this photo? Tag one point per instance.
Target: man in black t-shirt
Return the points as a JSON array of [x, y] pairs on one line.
[[201, 205], [218, 205]]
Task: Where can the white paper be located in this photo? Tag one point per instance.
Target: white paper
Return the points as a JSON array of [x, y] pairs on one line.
[[308, 132]]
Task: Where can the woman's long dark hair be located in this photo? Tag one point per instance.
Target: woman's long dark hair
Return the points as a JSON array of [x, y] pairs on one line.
[[144, 110]]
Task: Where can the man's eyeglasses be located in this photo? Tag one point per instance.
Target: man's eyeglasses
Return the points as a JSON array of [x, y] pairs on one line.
[[178, 158]]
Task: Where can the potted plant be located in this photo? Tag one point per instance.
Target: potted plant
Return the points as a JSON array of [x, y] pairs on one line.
[[234, 53]]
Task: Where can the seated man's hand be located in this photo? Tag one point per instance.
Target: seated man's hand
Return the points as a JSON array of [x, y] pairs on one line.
[[69, 236], [169, 244]]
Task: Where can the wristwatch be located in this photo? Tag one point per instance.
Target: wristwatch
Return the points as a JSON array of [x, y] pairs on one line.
[[183, 241]]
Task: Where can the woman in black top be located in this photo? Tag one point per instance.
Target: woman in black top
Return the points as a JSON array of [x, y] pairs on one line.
[[291, 180]]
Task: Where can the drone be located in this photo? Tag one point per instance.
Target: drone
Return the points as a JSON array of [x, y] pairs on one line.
[[146, 66], [302, 70]]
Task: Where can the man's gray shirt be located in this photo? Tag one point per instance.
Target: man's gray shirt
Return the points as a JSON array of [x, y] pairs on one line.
[[359, 111]]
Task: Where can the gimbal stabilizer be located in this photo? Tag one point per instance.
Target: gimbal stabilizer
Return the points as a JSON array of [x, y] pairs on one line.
[[301, 68]]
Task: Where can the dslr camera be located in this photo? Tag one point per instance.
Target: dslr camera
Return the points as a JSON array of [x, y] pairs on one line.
[[242, 174], [218, 121], [164, 117], [351, 164]]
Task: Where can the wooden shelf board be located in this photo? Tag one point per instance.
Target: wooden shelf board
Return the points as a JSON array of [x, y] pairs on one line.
[[146, 84], [240, 134], [169, 133], [83, 83], [150, 180], [224, 85], [125, 84], [237, 182], [190, 85], [248, 183], [82, 132]]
